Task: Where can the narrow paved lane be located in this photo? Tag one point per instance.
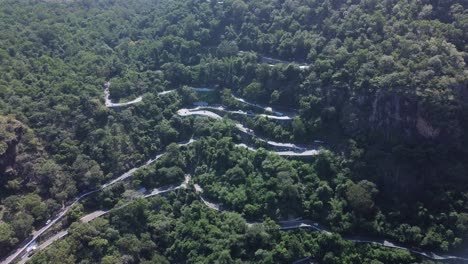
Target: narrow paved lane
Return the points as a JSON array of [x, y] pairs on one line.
[[264, 108], [240, 112], [284, 225], [293, 149], [44, 245], [109, 103], [65, 210], [91, 216]]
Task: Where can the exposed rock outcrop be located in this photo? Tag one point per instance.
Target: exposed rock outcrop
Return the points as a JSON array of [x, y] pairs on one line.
[[397, 117], [388, 115], [425, 129], [409, 140]]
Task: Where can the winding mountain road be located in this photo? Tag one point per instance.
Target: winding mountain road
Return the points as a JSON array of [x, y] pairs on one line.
[[196, 112], [299, 223], [44, 245], [212, 205], [277, 115], [294, 150], [240, 112], [109, 103], [203, 89], [273, 61], [284, 225], [91, 216], [264, 108], [65, 210]]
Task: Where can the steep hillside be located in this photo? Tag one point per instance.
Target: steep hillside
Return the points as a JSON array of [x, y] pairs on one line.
[[352, 115]]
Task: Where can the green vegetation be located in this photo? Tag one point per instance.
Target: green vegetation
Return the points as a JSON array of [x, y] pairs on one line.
[[385, 88], [181, 229]]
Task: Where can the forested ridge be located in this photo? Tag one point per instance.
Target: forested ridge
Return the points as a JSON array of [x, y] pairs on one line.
[[379, 88]]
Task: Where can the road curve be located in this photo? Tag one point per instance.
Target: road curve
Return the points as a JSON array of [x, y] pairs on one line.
[[109, 103], [283, 225], [196, 112], [264, 108], [299, 223], [294, 150], [212, 205], [91, 216], [286, 225], [240, 112], [169, 188], [65, 210]]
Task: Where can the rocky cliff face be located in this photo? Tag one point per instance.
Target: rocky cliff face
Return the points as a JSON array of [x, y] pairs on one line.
[[11, 132], [402, 117], [412, 142]]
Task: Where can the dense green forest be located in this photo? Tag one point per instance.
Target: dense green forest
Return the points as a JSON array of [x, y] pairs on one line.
[[380, 87]]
